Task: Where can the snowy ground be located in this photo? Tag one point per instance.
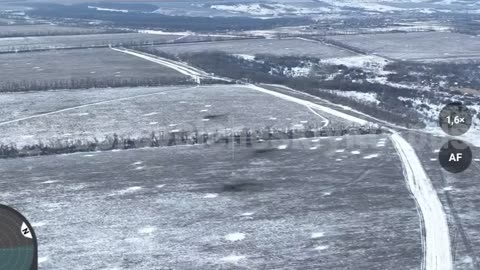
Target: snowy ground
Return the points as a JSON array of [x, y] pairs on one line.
[[140, 111], [421, 46], [84, 64], [369, 63], [44, 42], [204, 208], [358, 96], [297, 47]]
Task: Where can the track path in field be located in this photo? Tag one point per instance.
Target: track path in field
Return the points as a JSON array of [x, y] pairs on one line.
[[436, 237], [91, 104]]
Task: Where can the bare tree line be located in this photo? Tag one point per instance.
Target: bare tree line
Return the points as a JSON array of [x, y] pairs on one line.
[[113, 43], [245, 137], [86, 83], [96, 44], [72, 32]]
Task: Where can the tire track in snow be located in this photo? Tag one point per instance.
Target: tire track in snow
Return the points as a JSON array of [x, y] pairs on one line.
[[195, 74], [90, 104], [436, 241], [325, 120]]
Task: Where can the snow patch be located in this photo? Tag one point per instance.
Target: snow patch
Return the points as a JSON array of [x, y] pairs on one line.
[[317, 235], [159, 32], [370, 156], [147, 230], [50, 182], [320, 248], [270, 9], [108, 9], [359, 96], [126, 191], [39, 224], [210, 195], [371, 63], [233, 259], [367, 5], [234, 237], [245, 57]]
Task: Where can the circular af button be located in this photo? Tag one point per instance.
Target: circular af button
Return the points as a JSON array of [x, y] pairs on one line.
[[455, 156], [455, 119]]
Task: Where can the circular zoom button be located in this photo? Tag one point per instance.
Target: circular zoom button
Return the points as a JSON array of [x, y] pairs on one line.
[[455, 119]]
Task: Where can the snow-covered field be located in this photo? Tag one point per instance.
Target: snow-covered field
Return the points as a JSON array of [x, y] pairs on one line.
[[139, 111], [51, 42], [421, 46], [283, 47], [82, 64], [197, 208]]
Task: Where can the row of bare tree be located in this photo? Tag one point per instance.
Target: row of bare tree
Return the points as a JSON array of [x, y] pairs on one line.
[[245, 137]]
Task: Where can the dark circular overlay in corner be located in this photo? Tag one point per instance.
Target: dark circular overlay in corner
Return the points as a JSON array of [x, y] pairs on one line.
[[455, 119], [18, 242], [455, 156]]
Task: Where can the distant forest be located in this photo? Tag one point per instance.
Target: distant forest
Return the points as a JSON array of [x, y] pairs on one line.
[[152, 20]]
